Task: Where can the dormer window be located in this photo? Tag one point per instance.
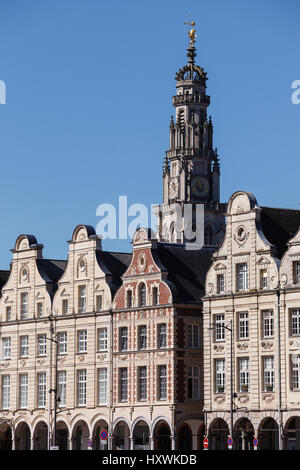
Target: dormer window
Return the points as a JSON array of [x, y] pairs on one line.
[[142, 295], [220, 283], [263, 279], [242, 277], [296, 272]]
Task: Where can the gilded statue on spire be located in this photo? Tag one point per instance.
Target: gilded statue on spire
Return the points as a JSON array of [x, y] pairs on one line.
[[191, 32]]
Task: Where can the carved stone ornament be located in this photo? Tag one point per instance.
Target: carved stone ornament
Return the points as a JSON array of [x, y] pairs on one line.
[[41, 362], [133, 271], [151, 268], [242, 346], [267, 345], [81, 358], [241, 235], [101, 357], [142, 314], [268, 397], [123, 357], [210, 288], [220, 399], [283, 279], [243, 398], [123, 316], [294, 344], [142, 262], [61, 360], [161, 313], [218, 347]]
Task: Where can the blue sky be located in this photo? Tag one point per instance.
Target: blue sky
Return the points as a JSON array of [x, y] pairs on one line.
[[89, 87]]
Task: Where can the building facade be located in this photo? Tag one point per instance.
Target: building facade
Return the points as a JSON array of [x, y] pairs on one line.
[[251, 330]]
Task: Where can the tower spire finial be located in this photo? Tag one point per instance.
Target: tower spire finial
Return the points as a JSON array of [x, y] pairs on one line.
[[191, 50]]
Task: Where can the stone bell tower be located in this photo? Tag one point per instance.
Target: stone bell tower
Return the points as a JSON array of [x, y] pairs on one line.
[[191, 169]]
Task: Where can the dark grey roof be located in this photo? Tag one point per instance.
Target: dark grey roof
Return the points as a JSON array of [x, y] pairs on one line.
[[4, 275], [113, 264], [51, 270], [279, 225], [186, 269]]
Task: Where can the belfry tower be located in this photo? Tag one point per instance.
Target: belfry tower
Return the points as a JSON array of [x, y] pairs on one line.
[[191, 170]]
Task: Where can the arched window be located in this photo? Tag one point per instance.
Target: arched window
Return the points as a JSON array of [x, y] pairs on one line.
[[142, 295], [208, 235]]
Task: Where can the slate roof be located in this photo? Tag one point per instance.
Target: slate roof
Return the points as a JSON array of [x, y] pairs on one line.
[[279, 225], [113, 264], [186, 269], [51, 270], [4, 275]]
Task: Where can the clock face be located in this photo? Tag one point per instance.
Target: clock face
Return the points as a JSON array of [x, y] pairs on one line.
[[199, 186]]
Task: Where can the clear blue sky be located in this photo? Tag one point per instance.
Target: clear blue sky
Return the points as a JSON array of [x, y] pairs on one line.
[[89, 87]]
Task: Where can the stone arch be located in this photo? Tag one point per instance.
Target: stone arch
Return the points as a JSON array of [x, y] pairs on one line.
[[268, 434], [80, 433], [99, 424], [141, 293], [140, 432], [291, 433], [184, 437], [5, 436], [22, 436], [62, 434], [217, 434], [161, 432], [121, 434], [40, 434], [243, 434]]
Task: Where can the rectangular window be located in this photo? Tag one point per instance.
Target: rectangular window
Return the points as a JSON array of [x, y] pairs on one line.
[[42, 345], [81, 388], [23, 394], [268, 374], [220, 283], [162, 382], [123, 339], [193, 383], [295, 372], [244, 374], [220, 327], [295, 321], [129, 298], [41, 392], [123, 380], [102, 339], [65, 306], [6, 348], [62, 388], [82, 341], [154, 295], [8, 313], [263, 279], [39, 309], [296, 272], [24, 305], [5, 392], [99, 303], [241, 277], [102, 386], [193, 336], [220, 375], [142, 382], [268, 323], [24, 346], [82, 299], [62, 342], [243, 325], [143, 337], [162, 336]]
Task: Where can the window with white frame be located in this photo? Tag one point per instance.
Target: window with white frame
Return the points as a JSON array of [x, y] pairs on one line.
[[154, 295], [6, 348], [23, 392], [82, 341], [81, 387], [142, 383], [82, 299], [142, 294], [295, 372], [102, 339], [296, 272], [99, 302], [162, 335], [243, 374], [263, 275], [193, 383], [193, 336], [8, 313], [62, 388], [269, 375], [142, 337], [220, 283], [123, 339], [24, 305], [220, 375], [242, 277], [243, 325], [62, 342], [162, 382], [65, 306], [219, 327], [295, 321], [129, 298], [123, 383], [24, 346], [41, 391], [268, 323], [42, 345], [102, 386], [39, 309], [5, 392]]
